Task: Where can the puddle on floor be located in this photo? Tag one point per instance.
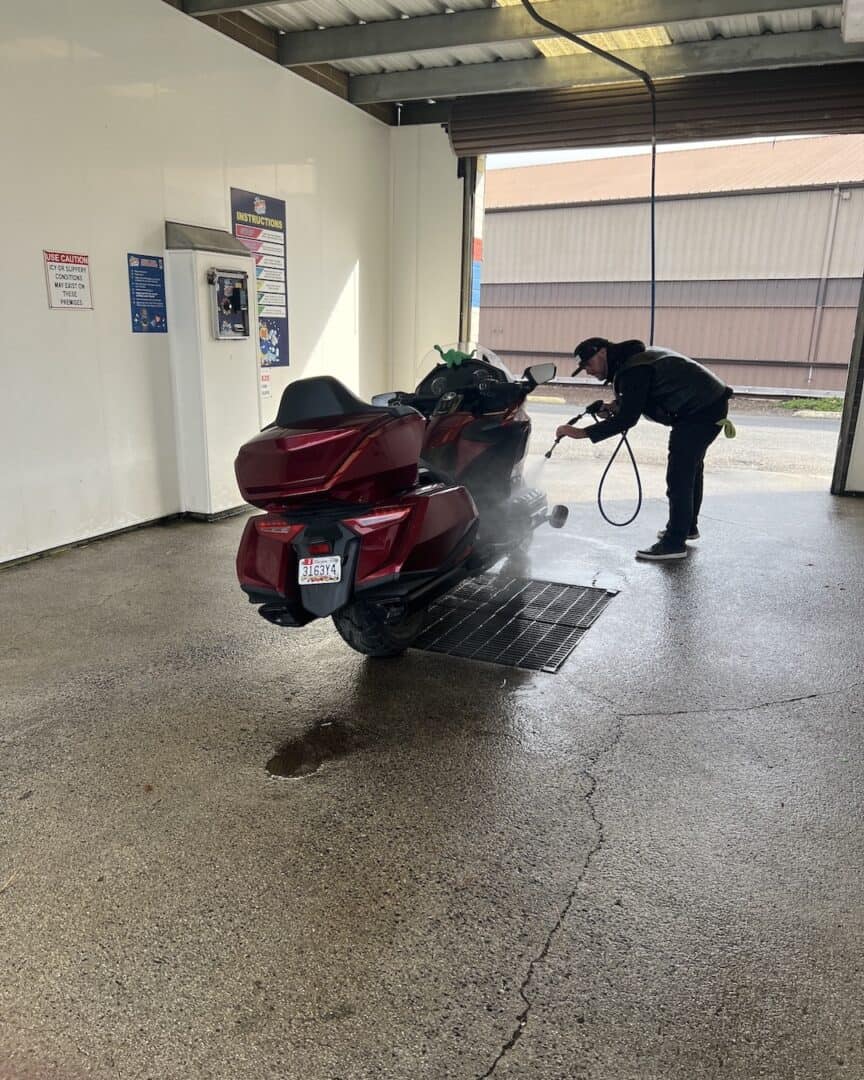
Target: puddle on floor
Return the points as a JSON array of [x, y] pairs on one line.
[[328, 740]]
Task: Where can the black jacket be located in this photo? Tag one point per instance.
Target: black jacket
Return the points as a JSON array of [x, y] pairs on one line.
[[661, 384]]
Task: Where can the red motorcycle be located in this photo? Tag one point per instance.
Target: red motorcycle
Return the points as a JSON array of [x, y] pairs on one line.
[[375, 510]]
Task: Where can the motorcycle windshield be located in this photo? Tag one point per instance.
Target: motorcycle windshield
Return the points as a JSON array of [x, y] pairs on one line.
[[457, 366]]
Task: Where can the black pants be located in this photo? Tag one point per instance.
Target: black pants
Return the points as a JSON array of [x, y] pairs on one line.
[[688, 441]]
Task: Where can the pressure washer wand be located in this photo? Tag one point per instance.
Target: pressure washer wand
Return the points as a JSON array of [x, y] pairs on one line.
[[590, 410], [570, 423]]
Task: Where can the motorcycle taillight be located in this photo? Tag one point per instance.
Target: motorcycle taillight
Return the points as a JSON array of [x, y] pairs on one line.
[[377, 519], [273, 526]]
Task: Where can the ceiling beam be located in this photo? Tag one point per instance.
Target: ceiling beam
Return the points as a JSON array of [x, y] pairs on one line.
[[485, 26], [222, 7], [582, 69]]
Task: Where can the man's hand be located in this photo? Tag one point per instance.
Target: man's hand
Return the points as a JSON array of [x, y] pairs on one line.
[[603, 410], [568, 432]]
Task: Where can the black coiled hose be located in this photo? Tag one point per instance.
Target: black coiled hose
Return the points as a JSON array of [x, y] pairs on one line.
[[620, 524], [592, 410]]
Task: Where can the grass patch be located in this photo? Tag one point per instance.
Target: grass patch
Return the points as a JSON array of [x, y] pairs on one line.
[[822, 404]]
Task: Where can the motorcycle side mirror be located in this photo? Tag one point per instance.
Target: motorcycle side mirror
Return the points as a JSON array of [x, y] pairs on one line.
[[540, 373]]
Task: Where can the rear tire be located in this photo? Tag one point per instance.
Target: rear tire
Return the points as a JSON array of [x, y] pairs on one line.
[[367, 634]]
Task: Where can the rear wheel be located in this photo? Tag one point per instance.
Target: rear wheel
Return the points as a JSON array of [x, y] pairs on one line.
[[367, 633]]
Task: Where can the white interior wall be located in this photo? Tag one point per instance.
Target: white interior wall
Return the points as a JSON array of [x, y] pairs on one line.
[[120, 114], [425, 249]]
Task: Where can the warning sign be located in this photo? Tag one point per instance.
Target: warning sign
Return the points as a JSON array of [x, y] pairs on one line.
[[68, 279]]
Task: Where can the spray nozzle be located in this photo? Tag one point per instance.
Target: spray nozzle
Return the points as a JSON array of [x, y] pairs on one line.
[[573, 420], [590, 410]]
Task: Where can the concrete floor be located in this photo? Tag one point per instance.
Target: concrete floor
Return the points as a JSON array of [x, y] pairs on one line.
[[646, 867]]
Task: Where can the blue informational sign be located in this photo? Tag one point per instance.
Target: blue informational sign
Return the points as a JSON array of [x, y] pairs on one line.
[[147, 294], [476, 281], [258, 222]]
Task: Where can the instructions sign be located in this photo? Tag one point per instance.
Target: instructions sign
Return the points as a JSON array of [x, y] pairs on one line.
[[258, 222], [68, 279], [147, 294]]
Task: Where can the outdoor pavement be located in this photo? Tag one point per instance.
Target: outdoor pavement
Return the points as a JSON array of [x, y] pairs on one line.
[[776, 451], [646, 867]]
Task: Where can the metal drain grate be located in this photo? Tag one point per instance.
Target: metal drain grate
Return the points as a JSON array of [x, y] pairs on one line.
[[512, 621]]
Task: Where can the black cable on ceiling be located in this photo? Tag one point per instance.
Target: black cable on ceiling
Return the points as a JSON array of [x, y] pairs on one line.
[[649, 86]]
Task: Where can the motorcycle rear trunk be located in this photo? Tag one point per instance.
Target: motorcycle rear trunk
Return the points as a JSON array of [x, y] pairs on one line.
[[362, 458], [346, 487]]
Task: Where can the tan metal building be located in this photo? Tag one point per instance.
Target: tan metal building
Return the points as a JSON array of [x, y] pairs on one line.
[[760, 253]]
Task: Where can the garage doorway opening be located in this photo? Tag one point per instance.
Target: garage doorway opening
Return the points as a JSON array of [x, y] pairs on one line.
[[760, 252]]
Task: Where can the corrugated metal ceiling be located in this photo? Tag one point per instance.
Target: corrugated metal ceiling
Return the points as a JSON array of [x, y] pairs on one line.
[[779, 22], [312, 14], [440, 58], [309, 14]]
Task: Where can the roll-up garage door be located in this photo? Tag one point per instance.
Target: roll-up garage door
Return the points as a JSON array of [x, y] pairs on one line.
[[789, 101]]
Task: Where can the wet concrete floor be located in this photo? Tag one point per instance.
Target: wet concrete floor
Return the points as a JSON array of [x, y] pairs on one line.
[[646, 866]]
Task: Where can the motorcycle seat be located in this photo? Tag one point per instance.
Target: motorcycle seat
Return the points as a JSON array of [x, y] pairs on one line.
[[323, 396]]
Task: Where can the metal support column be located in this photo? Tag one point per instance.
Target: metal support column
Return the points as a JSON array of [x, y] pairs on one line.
[[851, 408], [468, 172]]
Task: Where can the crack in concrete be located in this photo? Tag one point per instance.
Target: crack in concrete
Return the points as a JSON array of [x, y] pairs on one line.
[[522, 1018], [742, 708], [600, 697]]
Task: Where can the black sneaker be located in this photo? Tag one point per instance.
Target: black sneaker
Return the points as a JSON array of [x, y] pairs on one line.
[[692, 535], [662, 552]]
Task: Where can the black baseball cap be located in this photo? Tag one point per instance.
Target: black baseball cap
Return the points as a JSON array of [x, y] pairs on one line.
[[586, 349]]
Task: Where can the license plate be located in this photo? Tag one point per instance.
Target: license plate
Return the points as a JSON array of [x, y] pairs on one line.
[[324, 570]]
